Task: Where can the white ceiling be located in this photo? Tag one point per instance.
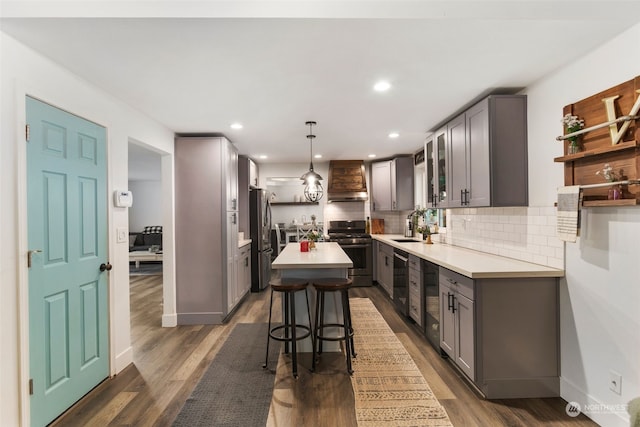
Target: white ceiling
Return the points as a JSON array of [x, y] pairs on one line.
[[197, 67]]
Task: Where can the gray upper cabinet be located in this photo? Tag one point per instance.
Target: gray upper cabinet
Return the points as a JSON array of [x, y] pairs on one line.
[[392, 184], [485, 155]]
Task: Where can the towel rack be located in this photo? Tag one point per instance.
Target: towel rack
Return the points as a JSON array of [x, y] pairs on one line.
[[608, 184], [601, 125]]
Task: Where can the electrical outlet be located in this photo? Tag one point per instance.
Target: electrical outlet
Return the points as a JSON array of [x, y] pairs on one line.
[[121, 235], [615, 382]]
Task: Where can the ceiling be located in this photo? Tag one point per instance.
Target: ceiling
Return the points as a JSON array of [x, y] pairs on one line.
[[198, 67]]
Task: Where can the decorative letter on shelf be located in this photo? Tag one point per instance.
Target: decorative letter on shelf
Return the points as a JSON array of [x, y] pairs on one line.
[[617, 144]]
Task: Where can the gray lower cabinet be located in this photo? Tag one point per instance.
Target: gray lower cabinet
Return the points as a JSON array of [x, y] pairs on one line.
[[416, 298], [502, 333], [243, 284], [384, 267], [206, 229], [457, 337]]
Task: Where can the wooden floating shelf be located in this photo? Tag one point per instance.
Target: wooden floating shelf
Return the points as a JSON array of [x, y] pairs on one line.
[[619, 202], [598, 151], [293, 203]]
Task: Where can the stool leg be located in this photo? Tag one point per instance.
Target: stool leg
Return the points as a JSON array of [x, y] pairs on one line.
[[314, 336], [294, 349], [353, 349], [266, 358], [345, 322], [321, 325], [285, 296]]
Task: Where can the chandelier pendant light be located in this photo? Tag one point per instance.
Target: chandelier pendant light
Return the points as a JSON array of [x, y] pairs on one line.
[[311, 180]]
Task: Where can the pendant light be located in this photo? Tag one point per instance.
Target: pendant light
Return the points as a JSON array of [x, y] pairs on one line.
[[311, 180]]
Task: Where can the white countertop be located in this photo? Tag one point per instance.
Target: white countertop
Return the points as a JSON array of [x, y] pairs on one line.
[[470, 263], [243, 242], [326, 255]]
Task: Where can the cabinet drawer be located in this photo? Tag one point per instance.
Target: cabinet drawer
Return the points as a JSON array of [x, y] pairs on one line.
[[414, 281], [462, 284], [414, 263], [415, 309]]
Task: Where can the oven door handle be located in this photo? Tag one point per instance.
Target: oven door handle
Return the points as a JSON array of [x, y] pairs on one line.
[[358, 246]]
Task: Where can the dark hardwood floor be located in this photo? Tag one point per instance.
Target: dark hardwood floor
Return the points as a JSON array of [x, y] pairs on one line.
[[168, 363]]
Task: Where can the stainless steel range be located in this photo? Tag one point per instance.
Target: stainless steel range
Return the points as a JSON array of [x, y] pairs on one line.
[[357, 244]]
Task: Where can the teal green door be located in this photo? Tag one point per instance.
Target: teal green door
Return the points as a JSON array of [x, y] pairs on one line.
[[67, 234]]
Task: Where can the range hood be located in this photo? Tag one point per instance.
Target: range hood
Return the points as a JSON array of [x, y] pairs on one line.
[[347, 181]]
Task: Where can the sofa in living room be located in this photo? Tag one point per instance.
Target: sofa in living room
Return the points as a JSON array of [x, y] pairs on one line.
[[151, 236]]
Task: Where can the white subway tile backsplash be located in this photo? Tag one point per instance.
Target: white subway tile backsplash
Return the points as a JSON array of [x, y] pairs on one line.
[[528, 234]]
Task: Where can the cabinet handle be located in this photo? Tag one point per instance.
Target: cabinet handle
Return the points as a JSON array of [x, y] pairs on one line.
[[394, 204], [386, 261], [449, 302], [453, 282], [246, 262], [233, 218], [234, 204], [374, 206], [453, 305]]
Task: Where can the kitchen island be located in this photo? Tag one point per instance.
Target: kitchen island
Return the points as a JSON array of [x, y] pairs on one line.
[[326, 260]]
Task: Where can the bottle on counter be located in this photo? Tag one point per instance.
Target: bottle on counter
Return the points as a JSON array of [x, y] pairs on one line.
[[367, 226]]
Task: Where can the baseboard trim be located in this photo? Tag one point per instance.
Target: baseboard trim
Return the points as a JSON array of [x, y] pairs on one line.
[[122, 360], [169, 320], [605, 414], [200, 318]]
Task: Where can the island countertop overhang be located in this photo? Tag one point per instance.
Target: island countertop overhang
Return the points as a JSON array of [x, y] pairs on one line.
[[326, 255], [471, 263]]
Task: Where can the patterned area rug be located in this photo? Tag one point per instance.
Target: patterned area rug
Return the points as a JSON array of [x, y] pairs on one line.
[[389, 389]]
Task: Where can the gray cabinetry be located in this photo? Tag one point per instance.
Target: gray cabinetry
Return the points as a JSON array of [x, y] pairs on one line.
[[206, 229], [485, 155], [502, 333], [384, 267], [243, 268], [416, 299], [436, 170], [458, 318], [392, 184], [247, 178]]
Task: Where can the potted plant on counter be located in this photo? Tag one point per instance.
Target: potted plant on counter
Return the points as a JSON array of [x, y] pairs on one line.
[[425, 230]]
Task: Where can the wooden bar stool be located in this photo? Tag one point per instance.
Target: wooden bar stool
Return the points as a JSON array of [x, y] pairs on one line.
[[287, 332], [322, 286]]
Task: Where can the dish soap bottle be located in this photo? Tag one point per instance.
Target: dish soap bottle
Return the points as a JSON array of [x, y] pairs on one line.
[[367, 226]]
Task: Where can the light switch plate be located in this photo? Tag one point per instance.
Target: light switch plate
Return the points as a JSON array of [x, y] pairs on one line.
[[121, 235]]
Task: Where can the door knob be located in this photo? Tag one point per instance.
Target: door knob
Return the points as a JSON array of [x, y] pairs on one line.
[[106, 266], [30, 256]]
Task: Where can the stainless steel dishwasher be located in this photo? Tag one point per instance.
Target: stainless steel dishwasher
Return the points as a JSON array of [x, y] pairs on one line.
[[401, 281]]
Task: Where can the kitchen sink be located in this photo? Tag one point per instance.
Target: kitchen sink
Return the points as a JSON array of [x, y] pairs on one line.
[[405, 240]]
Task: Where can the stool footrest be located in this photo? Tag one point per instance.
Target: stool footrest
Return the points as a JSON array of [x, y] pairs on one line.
[[305, 334], [336, 338]]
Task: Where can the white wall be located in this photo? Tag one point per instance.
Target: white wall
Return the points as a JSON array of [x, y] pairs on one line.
[[25, 72], [147, 204], [599, 298]]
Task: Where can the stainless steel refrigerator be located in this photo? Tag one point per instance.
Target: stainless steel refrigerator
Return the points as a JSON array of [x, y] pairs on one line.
[[260, 234]]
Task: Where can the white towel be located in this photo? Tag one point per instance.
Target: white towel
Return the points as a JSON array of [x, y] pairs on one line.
[[568, 221]]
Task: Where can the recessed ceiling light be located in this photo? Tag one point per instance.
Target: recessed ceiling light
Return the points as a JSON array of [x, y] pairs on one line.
[[236, 126], [382, 86], [371, 156], [394, 135], [318, 156], [262, 156]]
